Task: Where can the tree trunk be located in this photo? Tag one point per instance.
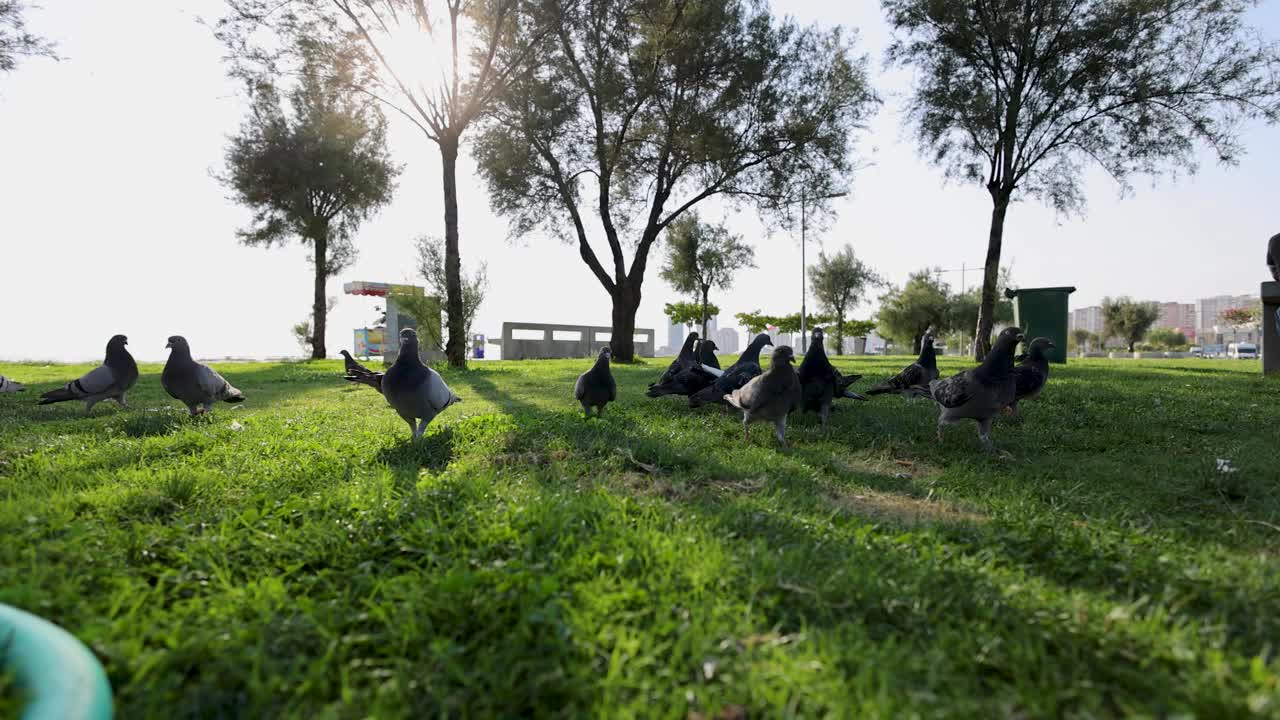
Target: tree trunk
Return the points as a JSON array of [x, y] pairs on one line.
[[839, 349], [622, 336], [319, 306], [916, 343], [991, 275], [705, 291], [456, 347]]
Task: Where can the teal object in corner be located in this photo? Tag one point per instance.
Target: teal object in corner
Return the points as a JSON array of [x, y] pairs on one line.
[[59, 677]]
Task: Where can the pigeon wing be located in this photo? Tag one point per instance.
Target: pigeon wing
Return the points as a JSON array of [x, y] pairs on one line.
[[953, 392], [97, 381]]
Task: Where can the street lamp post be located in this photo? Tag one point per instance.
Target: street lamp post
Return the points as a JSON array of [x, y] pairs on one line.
[[804, 294]]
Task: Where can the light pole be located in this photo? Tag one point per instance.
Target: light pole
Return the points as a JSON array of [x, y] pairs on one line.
[[804, 221]]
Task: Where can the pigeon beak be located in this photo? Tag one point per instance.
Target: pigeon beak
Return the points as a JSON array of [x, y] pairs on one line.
[[168, 345], [1052, 346]]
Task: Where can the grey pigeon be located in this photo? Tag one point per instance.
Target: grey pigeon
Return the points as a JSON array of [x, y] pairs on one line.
[[357, 373], [351, 366], [707, 353], [737, 375], [914, 379], [9, 386], [195, 385], [980, 393], [415, 391], [595, 388], [685, 375], [770, 396], [1031, 374], [685, 359], [109, 381], [820, 382]]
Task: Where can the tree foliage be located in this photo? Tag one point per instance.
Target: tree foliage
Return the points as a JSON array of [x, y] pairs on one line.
[[839, 283], [1023, 95], [311, 163], [689, 313], [16, 41], [641, 109], [906, 313], [1128, 320], [702, 257], [1081, 337], [431, 268], [1242, 316], [757, 322], [1167, 338], [440, 64]]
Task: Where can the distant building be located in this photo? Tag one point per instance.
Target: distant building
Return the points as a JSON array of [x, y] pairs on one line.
[[1087, 318], [675, 335], [1178, 316], [726, 340], [1212, 329]]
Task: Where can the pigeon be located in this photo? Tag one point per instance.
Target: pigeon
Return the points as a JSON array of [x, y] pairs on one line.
[[771, 396], [844, 382], [913, 381], [352, 367], [358, 373], [195, 385], [9, 386], [980, 393], [1031, 374], [595, 388], [686, 359], [737, 375], [707, 353], [415, 391], [820, 383], [686, 375], [109, 381]]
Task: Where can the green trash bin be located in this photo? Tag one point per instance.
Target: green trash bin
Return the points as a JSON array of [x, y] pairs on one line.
[[1042, 312]]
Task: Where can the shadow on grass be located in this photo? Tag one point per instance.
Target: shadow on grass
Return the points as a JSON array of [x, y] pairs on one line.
[[408, 457]]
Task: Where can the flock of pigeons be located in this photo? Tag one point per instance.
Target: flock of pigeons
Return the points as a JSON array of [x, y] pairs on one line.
[[418, 393], [979, 394], [196, 385]]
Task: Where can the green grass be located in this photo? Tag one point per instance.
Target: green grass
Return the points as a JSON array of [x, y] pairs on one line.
[[298, 556]]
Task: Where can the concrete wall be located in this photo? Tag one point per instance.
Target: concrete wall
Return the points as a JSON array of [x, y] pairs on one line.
[[589, 340]]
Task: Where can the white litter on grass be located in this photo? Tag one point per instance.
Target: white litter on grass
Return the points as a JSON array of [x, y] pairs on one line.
[[1225, 467], [235, 425]]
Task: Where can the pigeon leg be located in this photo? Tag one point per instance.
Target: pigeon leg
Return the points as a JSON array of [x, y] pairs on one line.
[[422, 428], [121, 401], [586, 411], [746, 427], [600, 411], [984, 433], [88, 406], [780, 429]]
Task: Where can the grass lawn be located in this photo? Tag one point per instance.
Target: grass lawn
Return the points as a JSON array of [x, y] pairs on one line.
[[298, 556]]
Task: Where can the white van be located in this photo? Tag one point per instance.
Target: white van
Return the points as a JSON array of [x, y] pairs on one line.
[[1242, 351]]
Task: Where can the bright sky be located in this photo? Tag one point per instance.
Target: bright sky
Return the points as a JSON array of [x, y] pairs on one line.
[[111, 222]]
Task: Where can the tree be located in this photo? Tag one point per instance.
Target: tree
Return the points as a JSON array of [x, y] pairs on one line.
[[839, 282], [1167, 338], [396, 45], [15, 40], [312, 169], [963, 307], [689, 313], [1128, 320], [907, 313], [641, 109], [432, 267], [701, 257], [1242, 317], [1081, 338], [1020, 96]]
